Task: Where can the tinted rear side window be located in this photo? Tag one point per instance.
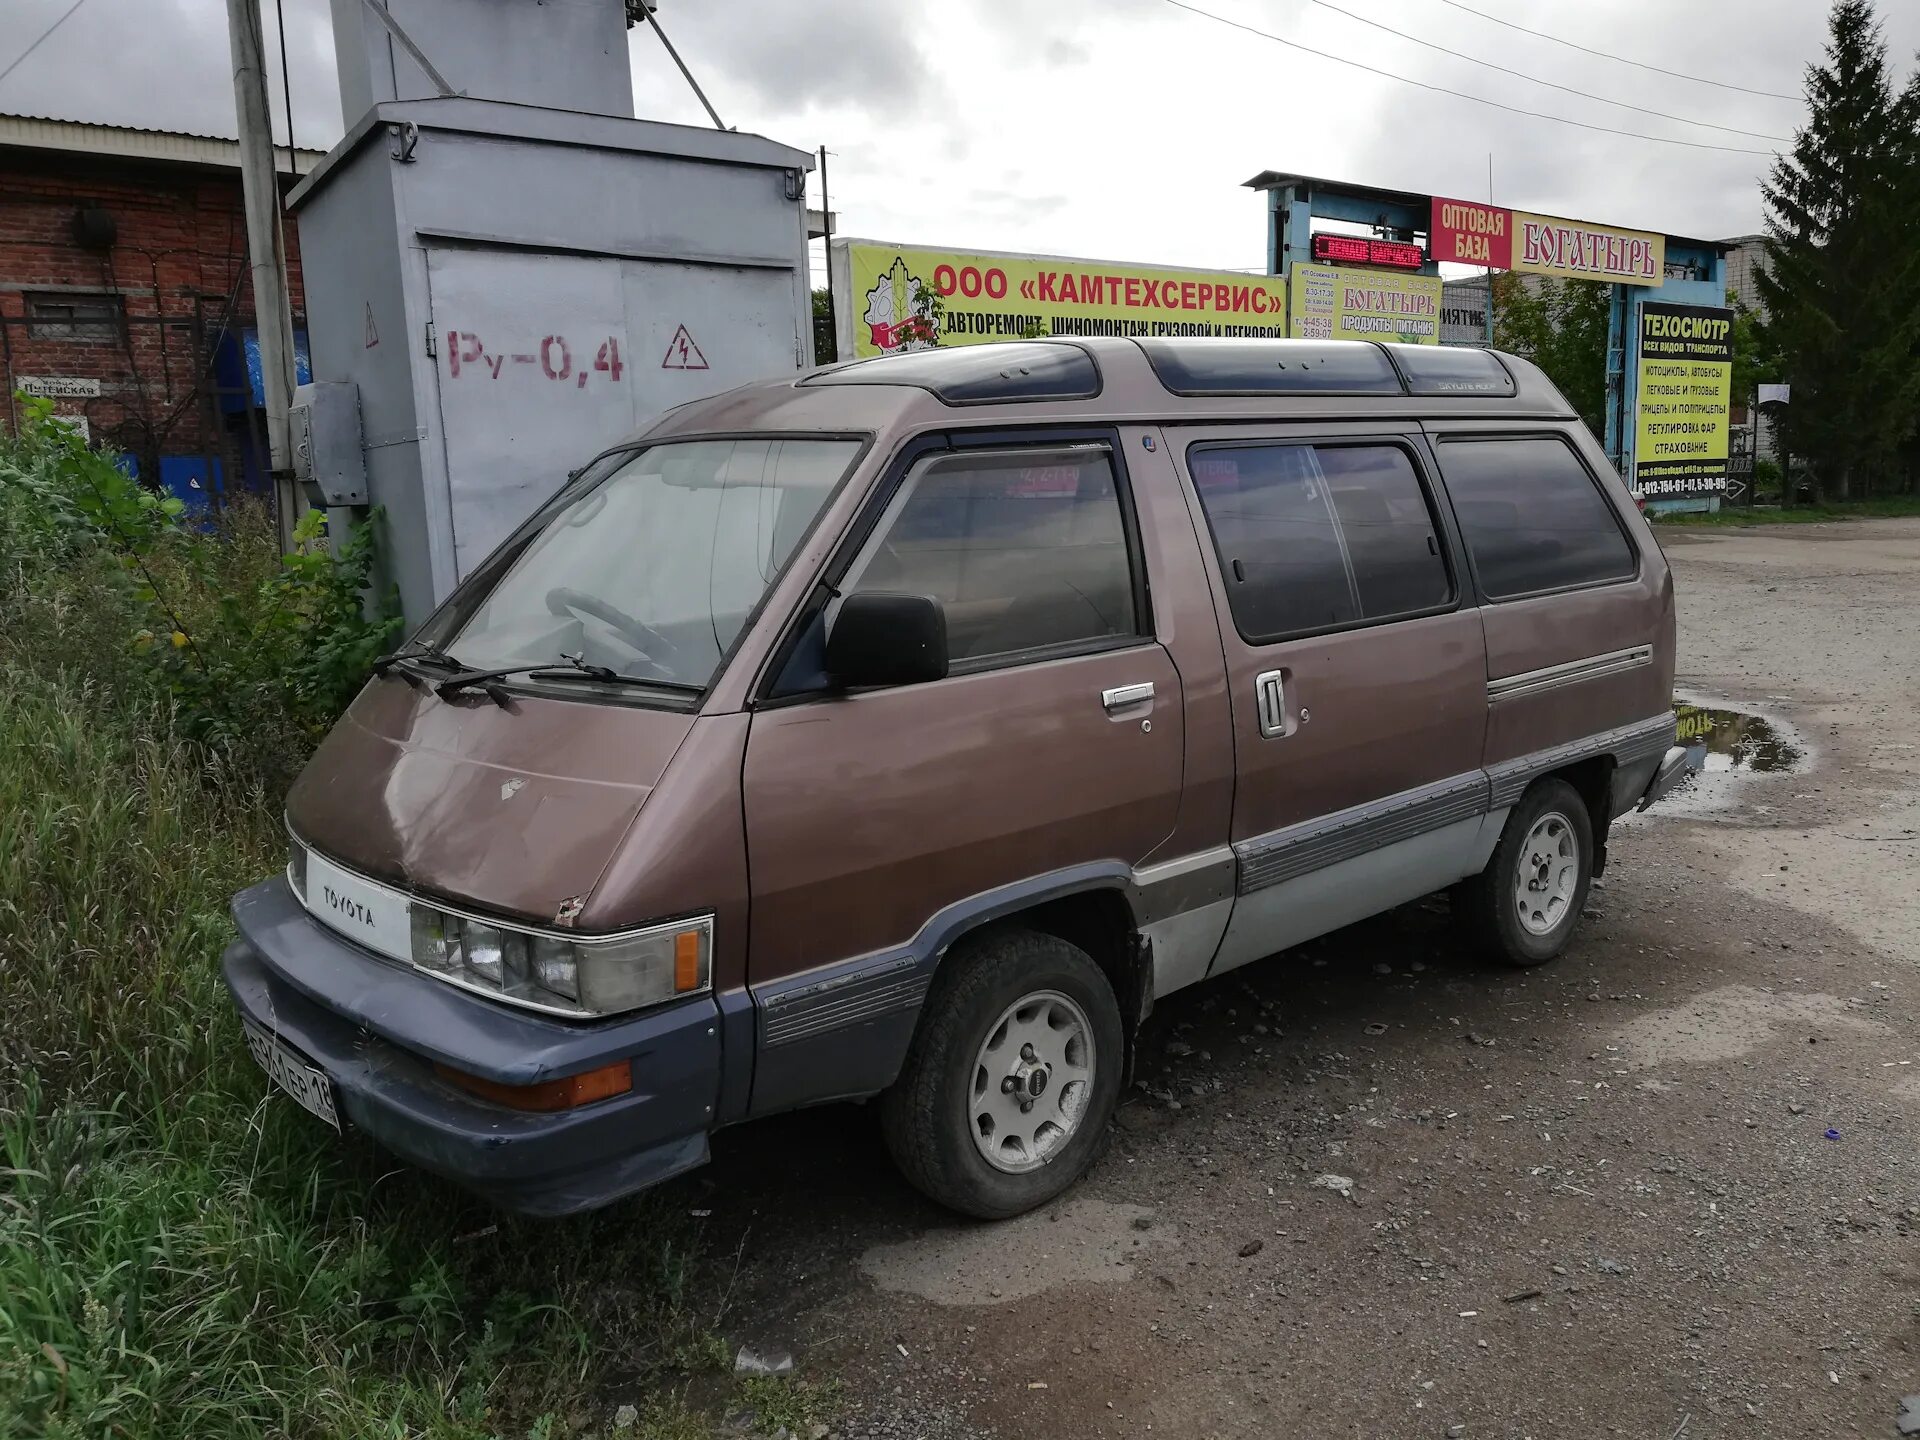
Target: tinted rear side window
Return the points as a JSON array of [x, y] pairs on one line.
[[1533, 517], [1319, 537]]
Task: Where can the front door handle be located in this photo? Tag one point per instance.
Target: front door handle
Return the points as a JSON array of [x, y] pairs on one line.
[[1121, 696]]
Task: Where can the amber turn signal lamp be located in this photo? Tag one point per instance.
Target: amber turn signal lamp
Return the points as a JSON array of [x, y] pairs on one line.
[[686, 961], [566, 1093]]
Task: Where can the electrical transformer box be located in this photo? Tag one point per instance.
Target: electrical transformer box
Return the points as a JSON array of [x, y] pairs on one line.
[[512, 289]]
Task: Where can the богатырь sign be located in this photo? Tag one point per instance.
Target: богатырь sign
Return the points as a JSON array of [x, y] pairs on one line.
[[1474, 234], [1686, 384], [903, 299]]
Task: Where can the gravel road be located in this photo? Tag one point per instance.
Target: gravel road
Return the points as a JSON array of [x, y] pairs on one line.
[[1669, 1186]]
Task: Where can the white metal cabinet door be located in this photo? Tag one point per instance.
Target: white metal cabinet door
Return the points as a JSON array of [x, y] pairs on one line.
[[544, 360], [701, 329], [533, 356]]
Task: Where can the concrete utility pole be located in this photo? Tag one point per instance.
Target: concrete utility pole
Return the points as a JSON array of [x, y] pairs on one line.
[[266, 246]]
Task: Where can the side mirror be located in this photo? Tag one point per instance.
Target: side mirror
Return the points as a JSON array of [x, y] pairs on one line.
[[886, 639]]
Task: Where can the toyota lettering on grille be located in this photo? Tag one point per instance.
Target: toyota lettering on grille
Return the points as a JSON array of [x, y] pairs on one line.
[[343, 905]]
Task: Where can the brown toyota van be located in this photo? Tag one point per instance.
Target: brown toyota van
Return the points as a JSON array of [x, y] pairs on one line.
[[908, 729]]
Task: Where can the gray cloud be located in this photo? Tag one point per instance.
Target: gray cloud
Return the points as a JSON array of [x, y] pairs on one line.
[[785, 59], [1062, 127], [165, 64]]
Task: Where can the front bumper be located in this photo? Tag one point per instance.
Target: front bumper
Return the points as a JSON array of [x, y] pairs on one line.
[[376, 1028]]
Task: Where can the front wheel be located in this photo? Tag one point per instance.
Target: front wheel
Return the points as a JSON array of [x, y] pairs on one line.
[[1012, 1078], [1524, 905]]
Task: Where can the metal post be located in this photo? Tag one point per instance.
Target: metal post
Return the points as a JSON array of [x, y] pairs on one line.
[[1486, 320], [826, 224], [266, 246], [1619, 338]]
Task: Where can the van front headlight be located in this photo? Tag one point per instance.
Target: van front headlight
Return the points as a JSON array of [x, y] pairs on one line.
[[584, 975]]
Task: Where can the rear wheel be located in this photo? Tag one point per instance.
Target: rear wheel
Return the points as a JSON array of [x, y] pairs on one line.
[[1525, 904], [1012, 1077]]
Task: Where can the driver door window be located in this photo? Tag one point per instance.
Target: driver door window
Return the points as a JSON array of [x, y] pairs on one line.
[[1026, 550]]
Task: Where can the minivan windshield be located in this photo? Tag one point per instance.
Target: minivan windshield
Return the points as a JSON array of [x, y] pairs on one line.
[[652, 572]]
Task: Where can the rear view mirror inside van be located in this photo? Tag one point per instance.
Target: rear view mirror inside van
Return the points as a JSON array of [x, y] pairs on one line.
[[879, 638]]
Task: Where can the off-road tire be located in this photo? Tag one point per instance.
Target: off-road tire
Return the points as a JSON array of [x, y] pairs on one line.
[[926, 1116], [1488, 901]]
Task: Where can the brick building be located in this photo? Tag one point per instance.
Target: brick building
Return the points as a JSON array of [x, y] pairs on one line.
[[125, 294]]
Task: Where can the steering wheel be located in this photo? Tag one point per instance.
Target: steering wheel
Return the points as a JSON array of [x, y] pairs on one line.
[[565, 601]]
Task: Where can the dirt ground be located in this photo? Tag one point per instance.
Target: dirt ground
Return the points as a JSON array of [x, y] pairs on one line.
[[1668, 1186]]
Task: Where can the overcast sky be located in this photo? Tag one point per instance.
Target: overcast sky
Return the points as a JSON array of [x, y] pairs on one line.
[[1118, 129]]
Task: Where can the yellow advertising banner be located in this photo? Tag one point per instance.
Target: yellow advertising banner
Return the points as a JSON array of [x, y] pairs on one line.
[[1332, 302], [1576, 250], [1685, 387], [894, 298]]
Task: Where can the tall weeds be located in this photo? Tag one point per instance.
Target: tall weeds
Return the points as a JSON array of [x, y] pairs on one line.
[[182, 1254]]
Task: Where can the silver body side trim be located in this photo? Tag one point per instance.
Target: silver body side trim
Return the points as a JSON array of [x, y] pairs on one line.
[[1314, 844], [1627, 744], [1552, 677], [856, 993]]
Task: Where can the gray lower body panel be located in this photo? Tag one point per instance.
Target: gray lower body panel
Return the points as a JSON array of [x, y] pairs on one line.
[[1277, 917]]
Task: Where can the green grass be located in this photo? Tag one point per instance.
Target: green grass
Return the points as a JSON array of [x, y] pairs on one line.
[[183, 1254], [1798, 514]]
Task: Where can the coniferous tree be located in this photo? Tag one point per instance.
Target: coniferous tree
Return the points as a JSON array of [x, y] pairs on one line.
[[1841, 283]]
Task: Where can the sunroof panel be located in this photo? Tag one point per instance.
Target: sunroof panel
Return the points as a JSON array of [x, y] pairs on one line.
[[1451, 370], [1272, 367], [980, 374]]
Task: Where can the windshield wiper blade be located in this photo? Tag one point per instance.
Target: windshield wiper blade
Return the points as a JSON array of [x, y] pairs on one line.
[[420, 652], [568, 667]]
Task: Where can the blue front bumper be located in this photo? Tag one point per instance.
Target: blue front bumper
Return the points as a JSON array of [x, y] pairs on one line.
[[376, 1028]]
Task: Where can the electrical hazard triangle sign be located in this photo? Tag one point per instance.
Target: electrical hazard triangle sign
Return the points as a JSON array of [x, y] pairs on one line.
[[683, 354]]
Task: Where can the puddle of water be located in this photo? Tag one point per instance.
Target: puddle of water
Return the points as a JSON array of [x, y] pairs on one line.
[[1725, 746], [1735, 740]]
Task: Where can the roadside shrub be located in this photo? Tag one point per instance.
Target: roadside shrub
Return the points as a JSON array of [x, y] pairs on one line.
[[259, 652], [183, 1254]]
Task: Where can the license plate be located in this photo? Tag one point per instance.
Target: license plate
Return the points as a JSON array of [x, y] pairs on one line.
[[307, 1084]]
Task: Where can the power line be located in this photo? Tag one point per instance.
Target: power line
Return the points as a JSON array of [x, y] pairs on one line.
[[286, 89], [1536, 80], [1461, 94], [18, 59], [1621, 59]]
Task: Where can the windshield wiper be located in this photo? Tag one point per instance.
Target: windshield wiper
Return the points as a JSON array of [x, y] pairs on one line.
[[569, 667], [417, 651]]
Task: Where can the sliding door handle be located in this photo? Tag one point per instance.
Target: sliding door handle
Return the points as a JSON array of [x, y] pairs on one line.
[[1270, 700]]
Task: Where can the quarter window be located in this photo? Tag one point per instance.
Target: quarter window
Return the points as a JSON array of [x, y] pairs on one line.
[[1025, 550], [1532, 516], [1317, 537]]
